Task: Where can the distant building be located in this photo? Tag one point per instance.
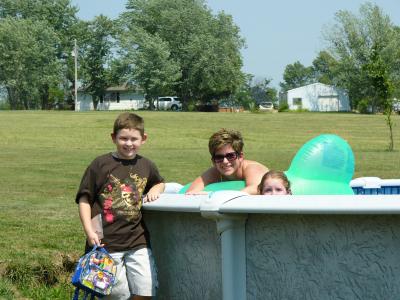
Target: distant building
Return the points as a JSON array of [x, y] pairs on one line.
[[123, 97], [3, 94], [318, 97]]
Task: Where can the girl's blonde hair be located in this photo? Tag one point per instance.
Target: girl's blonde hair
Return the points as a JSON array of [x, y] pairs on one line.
[[277, 175]]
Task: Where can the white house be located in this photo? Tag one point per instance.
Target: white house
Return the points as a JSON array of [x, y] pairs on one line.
[[124, 97], [318, 97], [3, 95]]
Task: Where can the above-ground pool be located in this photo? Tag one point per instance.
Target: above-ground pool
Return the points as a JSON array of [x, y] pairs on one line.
[[228, 245]]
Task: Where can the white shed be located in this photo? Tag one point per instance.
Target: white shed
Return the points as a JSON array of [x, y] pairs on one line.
[[318, 97], [3, 94], [124, 97]]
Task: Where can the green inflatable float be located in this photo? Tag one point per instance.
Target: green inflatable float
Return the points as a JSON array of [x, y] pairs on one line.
[[323, 166], [234, 185]]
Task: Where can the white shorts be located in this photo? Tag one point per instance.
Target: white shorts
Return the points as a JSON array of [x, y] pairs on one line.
[[136, 274]]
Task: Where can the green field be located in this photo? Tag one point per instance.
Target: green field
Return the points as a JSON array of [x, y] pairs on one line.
[[43, 156]]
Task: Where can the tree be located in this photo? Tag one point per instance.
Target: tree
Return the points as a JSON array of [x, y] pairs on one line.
[[324, 68], [354, 41], [272, 95], [184, 33], [395, 48], [154, 69], [381, 89], [95, 53], [366, 49], [262, 92], [59, 15], [27, 61], [117, 71], [296, 75], [243, 95]]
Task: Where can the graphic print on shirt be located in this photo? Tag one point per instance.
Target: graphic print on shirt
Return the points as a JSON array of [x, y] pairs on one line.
[[123, 198]]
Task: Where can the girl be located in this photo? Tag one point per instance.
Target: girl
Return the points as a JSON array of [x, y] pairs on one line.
[[274, 183]]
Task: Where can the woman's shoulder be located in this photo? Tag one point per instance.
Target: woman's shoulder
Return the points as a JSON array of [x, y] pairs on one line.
[[253, 165]]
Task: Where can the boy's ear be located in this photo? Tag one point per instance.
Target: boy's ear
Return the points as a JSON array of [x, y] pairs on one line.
[[113, 137], [144, 138], [241, 155]]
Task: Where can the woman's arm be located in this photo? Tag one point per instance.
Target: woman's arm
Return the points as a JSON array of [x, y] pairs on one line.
[[252, 175], [197, 186]]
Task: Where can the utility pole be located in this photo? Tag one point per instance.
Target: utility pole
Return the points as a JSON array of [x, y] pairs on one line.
[[76, 75]]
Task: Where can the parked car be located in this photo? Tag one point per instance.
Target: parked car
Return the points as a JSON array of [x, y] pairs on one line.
[[164, 103], [168, 103], [266, 106], [396, 106]]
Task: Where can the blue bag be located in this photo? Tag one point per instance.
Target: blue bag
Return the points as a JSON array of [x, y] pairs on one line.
[[94, 274]]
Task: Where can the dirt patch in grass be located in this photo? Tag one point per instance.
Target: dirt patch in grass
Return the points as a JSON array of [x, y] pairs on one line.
[[41, 272]]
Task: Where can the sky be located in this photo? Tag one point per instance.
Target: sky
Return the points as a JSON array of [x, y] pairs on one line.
[[277, 33]]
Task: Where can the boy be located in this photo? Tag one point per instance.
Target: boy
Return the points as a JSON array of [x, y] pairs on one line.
[[111, 191], [226, 147]]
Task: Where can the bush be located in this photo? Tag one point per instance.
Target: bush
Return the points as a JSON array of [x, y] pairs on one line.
[[191, 107], [4, 105], [283, 107], [301, 109], [362, 106], [252, 107]]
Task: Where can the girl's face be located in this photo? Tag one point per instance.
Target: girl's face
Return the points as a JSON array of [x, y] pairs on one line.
[[274, 186]]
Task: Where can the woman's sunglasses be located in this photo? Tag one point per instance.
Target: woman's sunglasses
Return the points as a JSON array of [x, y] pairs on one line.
[[219, 158]]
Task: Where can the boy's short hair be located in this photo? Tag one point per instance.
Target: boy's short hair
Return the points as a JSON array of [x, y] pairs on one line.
[[129, 120], [225, 137]]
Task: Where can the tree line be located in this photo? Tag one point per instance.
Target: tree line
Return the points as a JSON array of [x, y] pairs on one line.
[[180, 47], [363, 57], [161, 46]]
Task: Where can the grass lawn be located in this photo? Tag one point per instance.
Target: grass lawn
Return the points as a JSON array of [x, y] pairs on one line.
[[44, 154]]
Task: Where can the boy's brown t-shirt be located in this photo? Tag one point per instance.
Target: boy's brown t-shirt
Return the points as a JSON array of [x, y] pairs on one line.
[[115, 188]]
